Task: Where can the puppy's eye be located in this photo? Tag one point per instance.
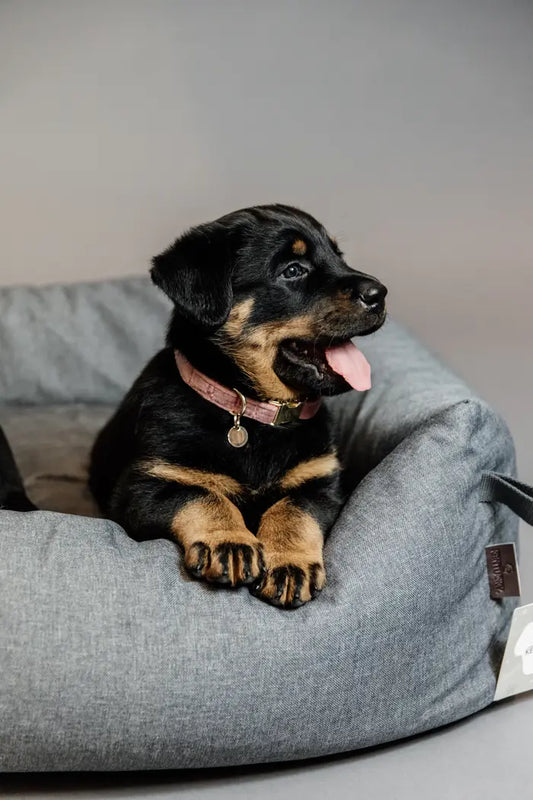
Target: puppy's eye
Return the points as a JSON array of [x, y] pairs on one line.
[[294, 270]]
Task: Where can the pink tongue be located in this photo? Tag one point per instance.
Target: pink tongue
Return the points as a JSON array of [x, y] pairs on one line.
[[349, 362]]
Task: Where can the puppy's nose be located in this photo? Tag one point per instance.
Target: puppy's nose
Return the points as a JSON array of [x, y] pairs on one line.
[[371, 292]]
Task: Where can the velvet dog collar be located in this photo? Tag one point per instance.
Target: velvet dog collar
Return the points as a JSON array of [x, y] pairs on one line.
[[270, 412]]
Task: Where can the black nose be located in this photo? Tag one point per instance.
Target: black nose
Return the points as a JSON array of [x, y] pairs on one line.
[[371, 292]]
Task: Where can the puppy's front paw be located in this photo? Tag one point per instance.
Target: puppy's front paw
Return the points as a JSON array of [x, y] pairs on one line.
[[289, 580], [228, 559]]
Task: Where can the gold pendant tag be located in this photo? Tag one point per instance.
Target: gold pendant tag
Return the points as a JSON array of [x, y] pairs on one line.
[[237, 436]]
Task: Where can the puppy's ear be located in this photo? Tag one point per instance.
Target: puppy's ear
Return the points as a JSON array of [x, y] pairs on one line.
[[195, 273]]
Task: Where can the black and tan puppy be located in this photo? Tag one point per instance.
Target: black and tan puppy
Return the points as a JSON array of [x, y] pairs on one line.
[[221, 444]]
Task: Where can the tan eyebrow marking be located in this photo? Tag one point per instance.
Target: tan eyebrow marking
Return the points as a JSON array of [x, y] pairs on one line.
[[299, 247]]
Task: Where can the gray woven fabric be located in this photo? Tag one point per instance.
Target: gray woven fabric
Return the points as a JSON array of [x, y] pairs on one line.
[[112, 659], [80, 342]]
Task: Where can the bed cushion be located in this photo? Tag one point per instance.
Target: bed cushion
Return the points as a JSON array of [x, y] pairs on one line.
[[113, 659]]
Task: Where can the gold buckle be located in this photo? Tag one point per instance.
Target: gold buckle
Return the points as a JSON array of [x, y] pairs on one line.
[[287, 412]]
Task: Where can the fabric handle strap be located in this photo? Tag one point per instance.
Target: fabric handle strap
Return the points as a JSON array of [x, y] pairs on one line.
[[503, 489]]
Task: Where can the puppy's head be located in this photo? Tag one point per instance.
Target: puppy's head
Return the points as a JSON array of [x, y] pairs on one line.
[[268, 287]]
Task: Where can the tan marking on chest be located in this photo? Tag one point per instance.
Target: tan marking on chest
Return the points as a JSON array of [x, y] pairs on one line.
[[313, 468], [215, 482]]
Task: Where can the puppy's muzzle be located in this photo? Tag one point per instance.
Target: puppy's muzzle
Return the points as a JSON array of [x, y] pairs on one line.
[[369, 292], [372, 294]]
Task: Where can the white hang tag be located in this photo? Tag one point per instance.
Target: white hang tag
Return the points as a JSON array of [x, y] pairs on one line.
[[516, 671]]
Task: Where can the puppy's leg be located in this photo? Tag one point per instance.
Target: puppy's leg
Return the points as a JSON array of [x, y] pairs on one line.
[[292, 533], [216, 544]]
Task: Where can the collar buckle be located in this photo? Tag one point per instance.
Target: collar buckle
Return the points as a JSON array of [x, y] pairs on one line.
[[288, 411]]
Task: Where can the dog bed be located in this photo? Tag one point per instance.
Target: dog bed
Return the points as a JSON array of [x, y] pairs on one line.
[[113, 659]]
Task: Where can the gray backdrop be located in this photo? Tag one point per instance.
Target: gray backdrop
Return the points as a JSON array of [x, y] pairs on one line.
[[405, 125]]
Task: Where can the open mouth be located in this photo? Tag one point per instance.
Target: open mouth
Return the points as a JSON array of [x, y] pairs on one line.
[[338, 357]]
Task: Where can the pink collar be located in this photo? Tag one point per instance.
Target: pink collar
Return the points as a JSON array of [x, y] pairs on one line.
[[270, 412]]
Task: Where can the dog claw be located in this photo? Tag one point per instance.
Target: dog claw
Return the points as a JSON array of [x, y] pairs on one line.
[[229, 563], [289, 586]]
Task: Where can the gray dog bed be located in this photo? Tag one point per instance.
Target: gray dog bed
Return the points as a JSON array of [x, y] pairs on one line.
[[113, 659]]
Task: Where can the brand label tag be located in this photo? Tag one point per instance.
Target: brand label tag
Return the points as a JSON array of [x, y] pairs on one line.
[[502, 568]]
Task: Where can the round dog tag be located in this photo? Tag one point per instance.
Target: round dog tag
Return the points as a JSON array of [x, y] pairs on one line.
[[237, 436]]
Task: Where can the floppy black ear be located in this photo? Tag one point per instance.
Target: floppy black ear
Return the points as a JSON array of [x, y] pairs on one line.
[[195, 272]]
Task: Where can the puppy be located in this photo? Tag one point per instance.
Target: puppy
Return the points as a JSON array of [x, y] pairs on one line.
[[222, 444]]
